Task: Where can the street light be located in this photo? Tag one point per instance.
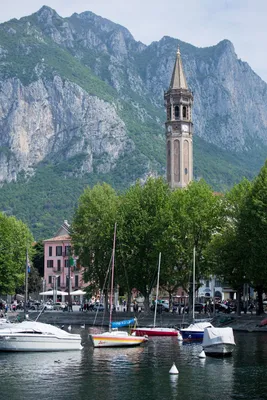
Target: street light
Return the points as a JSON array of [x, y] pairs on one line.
[[44, 284], [55, 288]]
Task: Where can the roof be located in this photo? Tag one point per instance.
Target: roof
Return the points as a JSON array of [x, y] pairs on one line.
[[64, 229], [178, 80], [59, 238]]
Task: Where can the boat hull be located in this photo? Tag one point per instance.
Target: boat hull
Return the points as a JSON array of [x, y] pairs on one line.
[[195, 332], [190, 336], [219, 350], [116, 340], [36, 343], [155, 332]]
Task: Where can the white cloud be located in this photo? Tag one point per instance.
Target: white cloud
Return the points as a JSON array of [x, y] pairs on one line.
[[199, 22]]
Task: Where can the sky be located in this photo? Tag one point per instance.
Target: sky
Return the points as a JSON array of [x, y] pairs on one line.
[[198, 22]]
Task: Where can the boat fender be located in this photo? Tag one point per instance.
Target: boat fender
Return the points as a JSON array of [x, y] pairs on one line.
[[173, 370]]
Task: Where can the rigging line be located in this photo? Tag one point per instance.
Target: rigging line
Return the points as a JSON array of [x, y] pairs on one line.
[[102, 292]]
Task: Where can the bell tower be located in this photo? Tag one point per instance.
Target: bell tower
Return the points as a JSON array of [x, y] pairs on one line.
[[179, 128]]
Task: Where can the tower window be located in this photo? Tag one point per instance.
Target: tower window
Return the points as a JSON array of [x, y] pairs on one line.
[[176, 112], [185, 171], [184, 112]]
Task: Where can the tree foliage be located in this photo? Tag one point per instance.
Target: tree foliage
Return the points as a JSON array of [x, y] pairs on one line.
[[15, 239], [92, 232], [142, 222], [252, 230], [151, 219]]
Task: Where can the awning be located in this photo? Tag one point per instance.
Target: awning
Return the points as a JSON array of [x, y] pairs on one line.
[[78, 293], [51, 293]]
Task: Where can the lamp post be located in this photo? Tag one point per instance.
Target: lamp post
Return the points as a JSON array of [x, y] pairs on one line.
[[71, 264], [43, 282], [26, 285], [55, 288]]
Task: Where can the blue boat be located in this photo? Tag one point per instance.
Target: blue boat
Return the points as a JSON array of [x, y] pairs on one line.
[[195, 332], [125, 322]]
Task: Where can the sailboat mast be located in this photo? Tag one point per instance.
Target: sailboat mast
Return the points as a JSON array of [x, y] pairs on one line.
[[194, 281], [26, 284], [112, 278], [157, 292]]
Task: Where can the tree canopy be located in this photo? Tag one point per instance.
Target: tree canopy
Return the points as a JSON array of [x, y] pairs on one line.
[[15, 240]]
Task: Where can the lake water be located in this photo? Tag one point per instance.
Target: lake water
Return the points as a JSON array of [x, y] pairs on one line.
[[137, 373]]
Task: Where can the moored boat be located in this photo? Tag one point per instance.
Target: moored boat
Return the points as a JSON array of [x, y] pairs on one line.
[[195, 332], [156, 331], [37, 336], [113, 337], [218, 342]]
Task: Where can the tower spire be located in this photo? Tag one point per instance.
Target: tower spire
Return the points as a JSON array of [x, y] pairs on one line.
[[179, 128], [178, 80]]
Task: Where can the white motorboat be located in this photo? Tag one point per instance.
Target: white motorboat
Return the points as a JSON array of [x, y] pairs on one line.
[[4, 323], [37, 336], [218, 341]]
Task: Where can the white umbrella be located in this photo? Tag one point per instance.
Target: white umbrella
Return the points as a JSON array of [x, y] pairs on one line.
[[78, 293], [51, 293]]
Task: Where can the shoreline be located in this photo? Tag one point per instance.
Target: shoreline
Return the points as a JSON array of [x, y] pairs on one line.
[[244, 322]]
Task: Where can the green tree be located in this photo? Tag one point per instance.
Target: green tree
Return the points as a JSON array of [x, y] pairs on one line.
[[15, 239], [252, 231], [199, 215], [38, 257], [226, 250], [92, 233], [142, 222]]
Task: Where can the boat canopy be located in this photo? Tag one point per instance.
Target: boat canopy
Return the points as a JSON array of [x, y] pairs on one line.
[[214, 336], [34, 327], [125, 322], [198, 327]]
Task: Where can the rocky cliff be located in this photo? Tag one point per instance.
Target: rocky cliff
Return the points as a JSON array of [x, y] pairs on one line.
[[57, 120]]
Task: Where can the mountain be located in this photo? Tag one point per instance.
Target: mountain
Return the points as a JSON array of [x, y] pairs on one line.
[[81, 101]]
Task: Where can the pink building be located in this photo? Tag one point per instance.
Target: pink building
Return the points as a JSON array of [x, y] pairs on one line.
[[58, 262]]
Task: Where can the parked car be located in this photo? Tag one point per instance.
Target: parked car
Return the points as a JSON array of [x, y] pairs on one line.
[[59, 306], [48, 306], [35, 306], [98, 307], [163, 305], [199, 307]]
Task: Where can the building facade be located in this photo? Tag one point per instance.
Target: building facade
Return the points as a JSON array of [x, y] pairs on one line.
[[60, 267], [179, 128]]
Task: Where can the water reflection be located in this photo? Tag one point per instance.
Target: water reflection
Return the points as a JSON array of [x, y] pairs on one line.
[[174, 385], [109, 359], [139, 372]]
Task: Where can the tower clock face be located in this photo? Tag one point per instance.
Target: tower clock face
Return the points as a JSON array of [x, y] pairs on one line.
[[185, 128]]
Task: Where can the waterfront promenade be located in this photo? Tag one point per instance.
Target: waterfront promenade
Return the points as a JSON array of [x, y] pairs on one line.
[[246, 322]]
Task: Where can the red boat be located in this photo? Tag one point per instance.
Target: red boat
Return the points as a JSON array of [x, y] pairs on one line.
[[156, 331]]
